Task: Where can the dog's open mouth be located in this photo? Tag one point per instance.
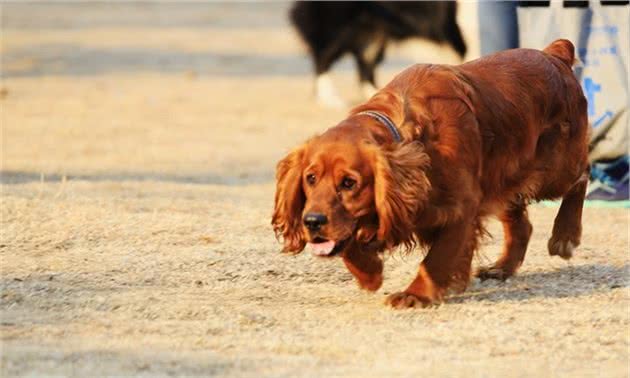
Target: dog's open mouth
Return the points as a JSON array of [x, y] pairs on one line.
[[326, 248]]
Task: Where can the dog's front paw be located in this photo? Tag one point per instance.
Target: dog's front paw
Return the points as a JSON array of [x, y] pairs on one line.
[[370, 283], [493, 273], [405, 299]]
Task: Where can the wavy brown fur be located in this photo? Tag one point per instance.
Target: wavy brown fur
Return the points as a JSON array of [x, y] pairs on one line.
[[480, 139]]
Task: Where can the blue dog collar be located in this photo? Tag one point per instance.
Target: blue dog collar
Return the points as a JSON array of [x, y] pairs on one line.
[[382, 118]]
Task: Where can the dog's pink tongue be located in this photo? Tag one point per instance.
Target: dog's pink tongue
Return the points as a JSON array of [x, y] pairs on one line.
[[322, 249]]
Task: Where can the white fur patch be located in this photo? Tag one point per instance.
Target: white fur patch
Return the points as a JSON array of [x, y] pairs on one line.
[[326, 94], [563, 249], [566, 249]]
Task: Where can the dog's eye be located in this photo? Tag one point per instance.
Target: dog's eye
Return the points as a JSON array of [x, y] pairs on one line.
[[348, 184], [310, 178]]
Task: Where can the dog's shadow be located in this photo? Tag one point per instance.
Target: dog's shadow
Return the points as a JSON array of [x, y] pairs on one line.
[[566, 282]]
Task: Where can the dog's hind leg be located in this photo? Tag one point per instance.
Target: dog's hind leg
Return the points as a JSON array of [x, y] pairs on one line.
[[517, 230], [567, 227], [454, 34]]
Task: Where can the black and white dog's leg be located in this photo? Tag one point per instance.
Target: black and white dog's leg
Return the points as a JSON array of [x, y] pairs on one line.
[[325, 91], [367, 58]]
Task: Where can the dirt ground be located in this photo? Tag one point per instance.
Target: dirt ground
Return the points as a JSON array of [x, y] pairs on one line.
[[138, 151]]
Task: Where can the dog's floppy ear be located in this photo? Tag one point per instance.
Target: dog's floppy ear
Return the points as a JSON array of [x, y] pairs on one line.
[[289, 202], [400, 189]]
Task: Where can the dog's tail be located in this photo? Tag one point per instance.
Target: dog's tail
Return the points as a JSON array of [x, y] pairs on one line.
[[562, 49]]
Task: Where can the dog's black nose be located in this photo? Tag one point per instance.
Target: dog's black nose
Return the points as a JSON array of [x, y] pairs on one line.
[[313, 221]]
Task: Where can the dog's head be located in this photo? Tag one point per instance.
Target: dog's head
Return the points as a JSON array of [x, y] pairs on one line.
[[342, 185]]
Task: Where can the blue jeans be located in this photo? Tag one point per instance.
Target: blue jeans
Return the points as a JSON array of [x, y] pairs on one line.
[[498, 26]]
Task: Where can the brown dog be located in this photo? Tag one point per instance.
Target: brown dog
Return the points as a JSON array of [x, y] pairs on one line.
[[429, 157]]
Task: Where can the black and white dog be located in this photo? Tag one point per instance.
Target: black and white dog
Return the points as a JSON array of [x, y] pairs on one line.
[[363, 29]]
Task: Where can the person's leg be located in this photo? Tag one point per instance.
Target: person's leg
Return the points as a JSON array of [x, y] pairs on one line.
[[610, 181], [498, 26]]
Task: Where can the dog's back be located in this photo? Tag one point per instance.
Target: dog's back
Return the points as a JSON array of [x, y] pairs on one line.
[[433, 20], [321, 24], [364, 29]]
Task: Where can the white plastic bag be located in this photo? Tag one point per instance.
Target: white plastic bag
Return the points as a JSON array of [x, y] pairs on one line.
[[601, 35]]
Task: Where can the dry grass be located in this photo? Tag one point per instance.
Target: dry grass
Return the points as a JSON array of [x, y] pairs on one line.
[[135, 237]]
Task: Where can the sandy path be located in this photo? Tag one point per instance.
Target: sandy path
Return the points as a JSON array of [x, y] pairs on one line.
[[137, 168]]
